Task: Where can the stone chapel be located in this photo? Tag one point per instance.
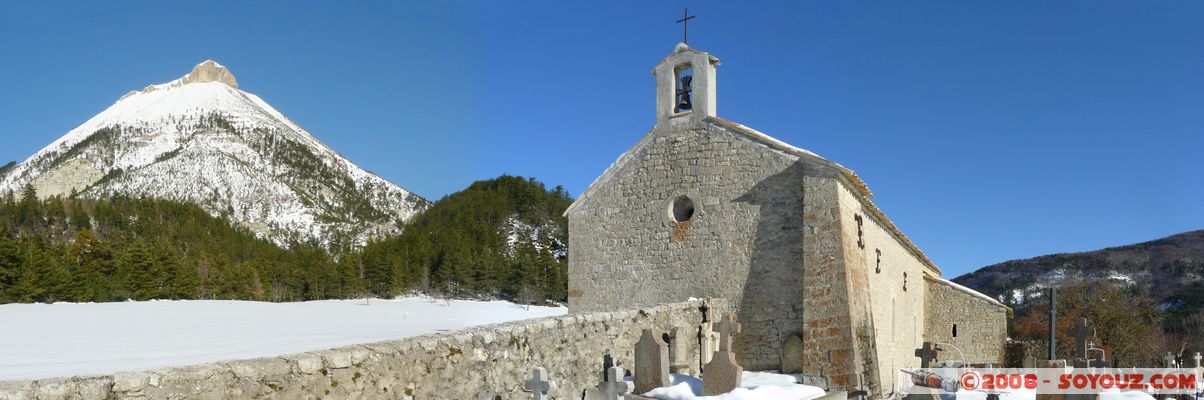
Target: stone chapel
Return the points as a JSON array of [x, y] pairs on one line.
[[705, 207]]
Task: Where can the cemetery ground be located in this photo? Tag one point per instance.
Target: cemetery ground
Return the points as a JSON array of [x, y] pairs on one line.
[[64, 339]]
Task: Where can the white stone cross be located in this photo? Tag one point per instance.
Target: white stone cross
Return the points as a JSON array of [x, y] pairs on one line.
[[727, 328], [1197, 357], [615, 385], [539, 385]]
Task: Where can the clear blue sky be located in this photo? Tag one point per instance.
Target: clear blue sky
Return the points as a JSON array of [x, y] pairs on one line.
[[988, 130]]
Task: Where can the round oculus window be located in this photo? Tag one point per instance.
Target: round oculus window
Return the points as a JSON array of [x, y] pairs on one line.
[[682, 209]]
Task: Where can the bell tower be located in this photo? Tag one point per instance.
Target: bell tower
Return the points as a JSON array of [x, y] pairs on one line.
[[685, 85]]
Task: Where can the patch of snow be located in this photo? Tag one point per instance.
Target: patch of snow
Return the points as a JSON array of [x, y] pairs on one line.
[[753, 386], [65, 339], [1017, 296], [518, 230], [1116, 394], [1117, 276]]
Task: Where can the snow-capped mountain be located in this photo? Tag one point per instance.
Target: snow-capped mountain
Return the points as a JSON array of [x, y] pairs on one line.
[[200, 139]]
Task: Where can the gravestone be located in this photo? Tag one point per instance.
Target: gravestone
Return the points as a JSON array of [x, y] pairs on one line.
[[613, 388], [1083, 331], [679, 351], [539, 385], [710, 342], [927, 354], [651, 362], [722, 374], [792, 355], [1061, 364], [1030, 362], [1168, 360], [1197, 358], [1102, 361], [727, 328]]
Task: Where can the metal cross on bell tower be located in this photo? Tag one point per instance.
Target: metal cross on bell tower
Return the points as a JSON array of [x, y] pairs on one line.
[[685, 25]]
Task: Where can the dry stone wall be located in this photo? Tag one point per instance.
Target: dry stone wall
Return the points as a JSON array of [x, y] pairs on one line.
[[486, 362]]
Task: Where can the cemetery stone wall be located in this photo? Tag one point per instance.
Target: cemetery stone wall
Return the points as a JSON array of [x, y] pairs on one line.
[[486, 362]]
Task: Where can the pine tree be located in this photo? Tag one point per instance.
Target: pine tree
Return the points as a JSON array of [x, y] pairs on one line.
[[28, 214], [140, 272], [10, 265], [90, 264], [29, 286], [185, 280]]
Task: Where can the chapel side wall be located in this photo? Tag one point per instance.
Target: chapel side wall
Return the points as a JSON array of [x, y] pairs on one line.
[[485, 362], [746, 233], [893, 310], [981, 323], [829, 345]]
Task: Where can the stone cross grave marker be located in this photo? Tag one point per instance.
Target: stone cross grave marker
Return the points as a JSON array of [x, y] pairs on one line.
[[539, 385], [1102, 361], [1197, 358], [1081, 334], [651, 362], [792, 355], [722, 374], [727, 328], [613, 388], [927, 354]]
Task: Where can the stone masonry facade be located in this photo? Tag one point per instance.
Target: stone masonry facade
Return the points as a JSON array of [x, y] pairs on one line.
[[789, 238], [741, 245], [486, 362]]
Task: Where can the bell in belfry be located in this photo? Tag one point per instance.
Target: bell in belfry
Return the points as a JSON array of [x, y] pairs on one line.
[[683, 94]]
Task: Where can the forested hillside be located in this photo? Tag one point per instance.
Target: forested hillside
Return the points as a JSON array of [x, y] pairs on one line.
[[1146, 298], [499, 238], [69, 249], [504, 237]]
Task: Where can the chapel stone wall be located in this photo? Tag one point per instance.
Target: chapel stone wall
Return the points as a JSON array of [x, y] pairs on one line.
[[981, 322], [745, 242], [829, 335], [892, 290]]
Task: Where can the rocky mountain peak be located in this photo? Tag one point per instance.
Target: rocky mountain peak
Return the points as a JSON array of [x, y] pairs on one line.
[[210, 71]]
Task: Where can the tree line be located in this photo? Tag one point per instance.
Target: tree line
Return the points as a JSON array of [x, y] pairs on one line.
[[69, 248]]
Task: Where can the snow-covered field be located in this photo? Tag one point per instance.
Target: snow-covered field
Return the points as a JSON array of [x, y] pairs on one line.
[[64, 339]]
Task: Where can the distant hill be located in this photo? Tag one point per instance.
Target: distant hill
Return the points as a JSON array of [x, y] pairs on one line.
[[1169, 270]]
